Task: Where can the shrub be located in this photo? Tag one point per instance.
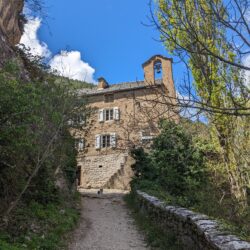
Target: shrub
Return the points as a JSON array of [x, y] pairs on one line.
[[175, 164]]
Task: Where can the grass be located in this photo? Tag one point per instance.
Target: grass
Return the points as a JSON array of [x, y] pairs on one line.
[[46, 227], [155, 236]]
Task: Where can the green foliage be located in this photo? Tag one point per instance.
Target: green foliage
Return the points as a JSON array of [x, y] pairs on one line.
[[184, 167], [47, 227], [196, 31], [175, 164], [36, 147]]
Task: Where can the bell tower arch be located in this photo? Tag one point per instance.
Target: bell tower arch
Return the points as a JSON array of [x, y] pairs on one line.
[[160, 67]]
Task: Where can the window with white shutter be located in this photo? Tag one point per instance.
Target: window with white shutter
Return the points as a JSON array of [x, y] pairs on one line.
[[97, 141], [116, 114], [79, 144], [101, 115]]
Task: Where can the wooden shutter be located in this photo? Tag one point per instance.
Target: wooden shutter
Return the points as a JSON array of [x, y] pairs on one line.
[[97, 141], [101, 115], [116, 114], [113, 140]]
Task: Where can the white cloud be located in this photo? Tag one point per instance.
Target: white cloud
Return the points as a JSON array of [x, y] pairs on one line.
[[67, 63], [31, 41]]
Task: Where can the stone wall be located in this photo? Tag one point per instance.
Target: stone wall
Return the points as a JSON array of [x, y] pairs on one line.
[[195, 231], [103, 170]]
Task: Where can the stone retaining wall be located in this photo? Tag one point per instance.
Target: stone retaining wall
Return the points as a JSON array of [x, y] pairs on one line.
[[195, 231], [106, 171]]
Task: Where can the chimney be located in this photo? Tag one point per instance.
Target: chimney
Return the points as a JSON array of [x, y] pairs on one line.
[[102, 83]]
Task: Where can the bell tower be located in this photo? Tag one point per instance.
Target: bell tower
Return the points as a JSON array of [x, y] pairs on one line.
[[160, 67]]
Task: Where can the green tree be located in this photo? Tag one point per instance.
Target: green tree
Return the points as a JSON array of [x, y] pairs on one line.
[[34, 136], [195, 31], [175, 165]]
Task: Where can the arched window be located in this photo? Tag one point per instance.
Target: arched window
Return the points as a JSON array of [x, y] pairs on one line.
[[158, 69]]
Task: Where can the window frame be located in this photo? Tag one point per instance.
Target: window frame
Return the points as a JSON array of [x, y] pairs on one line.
[[106, 141], [108, 114]]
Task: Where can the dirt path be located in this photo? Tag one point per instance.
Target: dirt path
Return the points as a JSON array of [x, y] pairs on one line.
[[106, 225]]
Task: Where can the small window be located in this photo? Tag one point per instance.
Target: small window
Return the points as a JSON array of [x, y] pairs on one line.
[[105, 141], [146, 136], [77, 120], [80, 119], [79, 144], [109, 115], [109, 98]]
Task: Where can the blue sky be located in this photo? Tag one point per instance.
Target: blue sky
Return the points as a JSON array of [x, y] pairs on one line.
[[109, 35]]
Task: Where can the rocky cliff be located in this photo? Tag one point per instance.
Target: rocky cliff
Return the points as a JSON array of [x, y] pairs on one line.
[[11, 27]]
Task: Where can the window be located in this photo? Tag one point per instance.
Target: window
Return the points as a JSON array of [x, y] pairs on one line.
[[109, 114], [109, 98], [77, 119], [80, 119], [146, 136], [79, 144], [105, 141]]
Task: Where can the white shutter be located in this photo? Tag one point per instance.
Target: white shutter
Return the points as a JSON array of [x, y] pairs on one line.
[[81, 144], [116, 114], [97, 141], [70, 122], [101, 115], [113, 140]]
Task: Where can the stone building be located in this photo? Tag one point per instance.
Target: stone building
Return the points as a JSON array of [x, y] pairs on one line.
[[123, 116]]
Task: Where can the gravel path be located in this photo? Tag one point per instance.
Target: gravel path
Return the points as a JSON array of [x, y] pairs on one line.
[[106, 225]]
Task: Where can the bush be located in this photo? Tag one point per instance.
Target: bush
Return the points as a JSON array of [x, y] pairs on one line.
[[36, 145], [184, 167], [175, 165]]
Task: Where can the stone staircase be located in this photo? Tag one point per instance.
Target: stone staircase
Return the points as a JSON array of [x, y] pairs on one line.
[[121, 179], [112, 171]]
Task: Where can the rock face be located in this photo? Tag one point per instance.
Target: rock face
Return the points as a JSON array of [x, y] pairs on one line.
[[195, 231], [11, 26]]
